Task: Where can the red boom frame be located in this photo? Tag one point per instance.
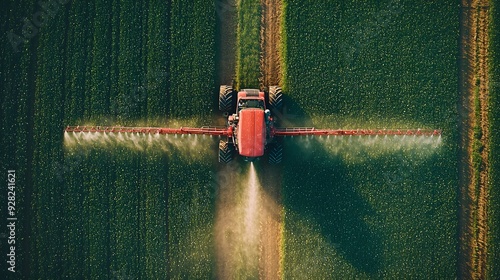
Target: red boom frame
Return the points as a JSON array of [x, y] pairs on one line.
[[206, 130], [228, 131], [306, 131]]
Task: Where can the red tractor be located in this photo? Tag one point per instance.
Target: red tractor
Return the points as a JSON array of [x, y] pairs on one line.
[[251, 124], [250, 128]]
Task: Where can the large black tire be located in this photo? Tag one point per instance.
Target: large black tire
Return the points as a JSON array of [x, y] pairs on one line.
[[225, 151], [276, 153], [275, 98], [226, 99]]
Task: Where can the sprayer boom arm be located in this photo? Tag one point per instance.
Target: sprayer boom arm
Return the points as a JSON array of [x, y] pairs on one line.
[[306, 131], [228, 131], [206, 130]]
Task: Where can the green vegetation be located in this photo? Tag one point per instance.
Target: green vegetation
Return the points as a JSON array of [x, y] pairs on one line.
[[47, 141], [108, 212], [192, 63], [191, 204], [493, 260], [350, 212], [16, 101], [384, 65], [248, 44]]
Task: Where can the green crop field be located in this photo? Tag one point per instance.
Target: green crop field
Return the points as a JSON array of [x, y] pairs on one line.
[[103, 212], [129, 206], [370, 212], [248, 46], [494, 210]]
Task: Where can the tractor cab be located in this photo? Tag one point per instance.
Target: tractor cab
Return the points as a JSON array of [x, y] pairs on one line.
[[245, 103], [251, 98]]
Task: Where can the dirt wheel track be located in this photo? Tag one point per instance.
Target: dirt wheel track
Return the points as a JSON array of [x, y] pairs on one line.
[[271, 222], [270, 43], [483, 68], [226, 41], [474, 190]]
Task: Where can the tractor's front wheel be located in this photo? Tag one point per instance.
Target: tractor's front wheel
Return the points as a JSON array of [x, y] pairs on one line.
[[275, 98], [276, 153], [226, 99], [225, 151]]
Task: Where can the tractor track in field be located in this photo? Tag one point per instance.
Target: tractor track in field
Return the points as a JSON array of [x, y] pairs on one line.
[[271, 222], [473, 109], [232, 256], [270, 43], [248, 222], [226, 41]]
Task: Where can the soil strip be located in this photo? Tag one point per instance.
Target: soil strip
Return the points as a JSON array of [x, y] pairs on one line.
[[270, 43], [473, 110]]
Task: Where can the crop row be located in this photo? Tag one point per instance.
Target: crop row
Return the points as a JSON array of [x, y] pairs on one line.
[[387, 64], [493, 260], [192, 61], [191, 208], [248, 44], [69, 171]]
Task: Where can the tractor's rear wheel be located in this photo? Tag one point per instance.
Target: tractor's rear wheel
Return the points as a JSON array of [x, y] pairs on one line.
[[275, 98], [226, 99], [225, 151], [276, 153]]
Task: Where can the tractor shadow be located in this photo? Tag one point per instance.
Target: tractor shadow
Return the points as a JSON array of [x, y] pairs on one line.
[[291, 115], [319, 187]]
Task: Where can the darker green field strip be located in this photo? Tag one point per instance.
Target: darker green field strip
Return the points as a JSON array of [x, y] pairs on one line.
[[154, 217], [49, 94], [190, 216], [493, 258], [81, 73], [75, 213], [370, 213], [365, 65], [16, 91], [99, 192], [191, 203], [131, 101], [192, 67], [158, 60], [99, 211]]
